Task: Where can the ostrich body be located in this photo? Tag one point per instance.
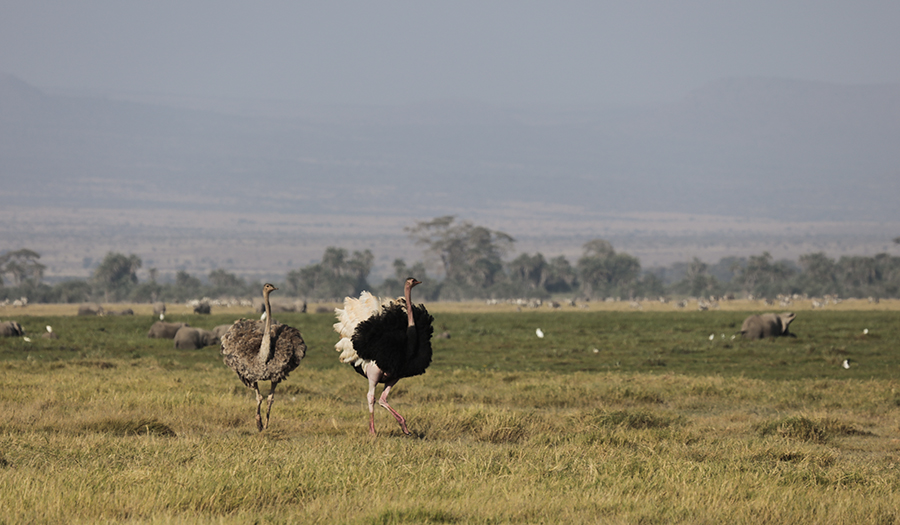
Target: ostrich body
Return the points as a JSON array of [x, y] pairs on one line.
[[384, 342], [262, 353]]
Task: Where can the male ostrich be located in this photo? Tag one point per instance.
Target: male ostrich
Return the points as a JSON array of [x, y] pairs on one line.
[[384, 342], [262, 354]]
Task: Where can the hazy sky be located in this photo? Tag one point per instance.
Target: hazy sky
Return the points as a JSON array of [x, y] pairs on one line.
[[390, 52]]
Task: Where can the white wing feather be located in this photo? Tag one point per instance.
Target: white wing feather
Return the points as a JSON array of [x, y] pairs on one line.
[[354, 312]]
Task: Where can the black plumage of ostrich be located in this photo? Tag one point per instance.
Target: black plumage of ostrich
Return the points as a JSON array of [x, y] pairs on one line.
[[385, 342], [259, 351]]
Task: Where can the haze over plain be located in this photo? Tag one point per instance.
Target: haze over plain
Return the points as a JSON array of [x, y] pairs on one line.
[[338, 124]]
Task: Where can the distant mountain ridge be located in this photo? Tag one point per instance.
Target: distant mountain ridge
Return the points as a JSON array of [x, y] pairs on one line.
[[775, 148]]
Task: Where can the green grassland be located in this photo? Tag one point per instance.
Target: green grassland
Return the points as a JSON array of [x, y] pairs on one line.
[[612, 417]]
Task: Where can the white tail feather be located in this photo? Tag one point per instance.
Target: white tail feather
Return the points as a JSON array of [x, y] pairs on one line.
[[354, 312]]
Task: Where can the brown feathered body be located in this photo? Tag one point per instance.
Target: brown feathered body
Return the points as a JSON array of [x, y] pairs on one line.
[[241, 346]]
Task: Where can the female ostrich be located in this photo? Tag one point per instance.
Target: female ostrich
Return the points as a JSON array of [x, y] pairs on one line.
[[384, 342], [262, 354]]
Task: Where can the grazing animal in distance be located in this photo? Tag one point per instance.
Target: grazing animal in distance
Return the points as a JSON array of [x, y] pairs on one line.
[[202, 308], [262, 353], [220, 329], [11, 329], [385, 342], [164, 330], [189, 338], [90, 309], [767, 325]]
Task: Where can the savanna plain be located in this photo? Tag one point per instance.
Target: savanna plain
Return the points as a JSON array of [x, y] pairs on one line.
[[649, 416]]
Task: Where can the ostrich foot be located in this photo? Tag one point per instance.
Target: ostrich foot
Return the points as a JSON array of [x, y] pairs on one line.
[[400, 419]]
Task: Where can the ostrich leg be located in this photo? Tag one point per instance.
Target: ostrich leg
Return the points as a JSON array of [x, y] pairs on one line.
[[271, 398], [259, 398], [383, 402]]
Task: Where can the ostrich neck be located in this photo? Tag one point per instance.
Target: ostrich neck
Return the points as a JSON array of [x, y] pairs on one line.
[[412, 339], [409, 307], [265, 348]]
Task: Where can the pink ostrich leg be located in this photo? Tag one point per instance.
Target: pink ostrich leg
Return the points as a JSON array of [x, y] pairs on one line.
[[383, 402], [375, 376]]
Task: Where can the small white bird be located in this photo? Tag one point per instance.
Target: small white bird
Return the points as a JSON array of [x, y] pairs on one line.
[[712, 336], [865, 331], [162, 316], [540, 333], [846, 363], [49, 328], [27, 339]]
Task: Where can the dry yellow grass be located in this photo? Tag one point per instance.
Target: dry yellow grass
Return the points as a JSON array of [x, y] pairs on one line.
[[139, 442]]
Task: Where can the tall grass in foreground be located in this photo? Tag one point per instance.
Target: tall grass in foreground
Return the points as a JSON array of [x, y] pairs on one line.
[[107, 426]]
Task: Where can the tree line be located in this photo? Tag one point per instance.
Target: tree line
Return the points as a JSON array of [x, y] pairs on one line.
[[475, 264]]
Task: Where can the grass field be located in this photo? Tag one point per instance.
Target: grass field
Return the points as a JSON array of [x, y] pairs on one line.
[[650, 416]]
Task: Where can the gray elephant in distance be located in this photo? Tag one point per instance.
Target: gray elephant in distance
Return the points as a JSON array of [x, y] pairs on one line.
[[164, 330], [90, 309], [189, 338], [221, 329], [202, 308], [767, 325], [11, 329]]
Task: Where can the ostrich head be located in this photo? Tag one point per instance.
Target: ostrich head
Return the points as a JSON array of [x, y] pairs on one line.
[[268, 288], [411, 281]]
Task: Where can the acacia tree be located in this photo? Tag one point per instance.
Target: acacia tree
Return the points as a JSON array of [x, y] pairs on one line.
[[116, 275], [471, 256], [23, 266]]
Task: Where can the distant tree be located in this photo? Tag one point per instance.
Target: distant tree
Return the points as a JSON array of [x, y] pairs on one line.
[[603, 272], [221, 279], [530, 271], [727, 267], [697, 281], [471, 256], [337, 276], [561, 276], [116, 275], [877, 276], [23, 266], [75, 291], [763, 277], [187, 281], [147, 292], [650, 285], [818, 275]]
